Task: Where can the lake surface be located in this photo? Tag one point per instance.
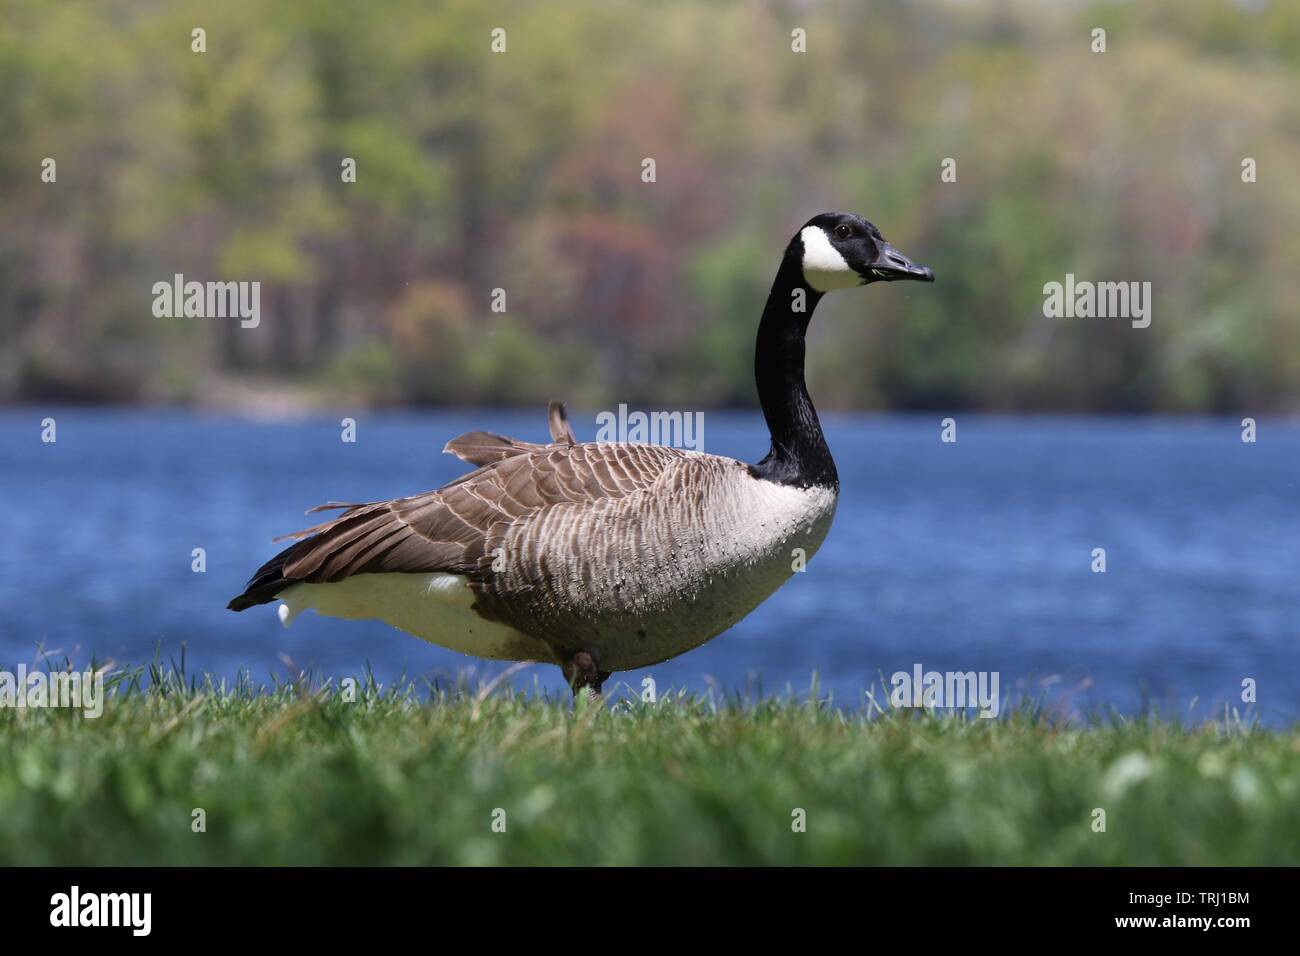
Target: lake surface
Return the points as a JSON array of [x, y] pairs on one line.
[[975, 555]]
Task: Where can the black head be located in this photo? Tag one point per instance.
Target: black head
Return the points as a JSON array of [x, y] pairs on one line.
[[838, 250]]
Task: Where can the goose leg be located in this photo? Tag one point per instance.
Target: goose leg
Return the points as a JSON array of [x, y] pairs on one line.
[[581, 670]]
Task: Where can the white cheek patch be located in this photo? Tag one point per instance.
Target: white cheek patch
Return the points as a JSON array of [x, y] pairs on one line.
[[823, 267]]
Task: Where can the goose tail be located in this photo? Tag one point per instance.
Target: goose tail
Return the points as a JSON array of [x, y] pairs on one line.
[[263, 587]]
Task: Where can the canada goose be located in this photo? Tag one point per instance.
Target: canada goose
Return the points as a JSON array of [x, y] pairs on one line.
[[600, 556]]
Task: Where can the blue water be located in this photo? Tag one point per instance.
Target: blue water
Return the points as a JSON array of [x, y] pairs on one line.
[[967, 556]]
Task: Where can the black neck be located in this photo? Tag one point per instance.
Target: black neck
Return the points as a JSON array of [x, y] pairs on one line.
[[799, 455]]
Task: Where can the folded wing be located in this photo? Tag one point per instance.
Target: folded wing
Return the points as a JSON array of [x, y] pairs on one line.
[[453, 529]]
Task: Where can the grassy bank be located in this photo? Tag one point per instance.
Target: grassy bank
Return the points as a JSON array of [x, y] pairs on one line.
[[291, 776]]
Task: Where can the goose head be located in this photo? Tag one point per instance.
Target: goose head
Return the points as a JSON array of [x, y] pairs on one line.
[[839, 250]]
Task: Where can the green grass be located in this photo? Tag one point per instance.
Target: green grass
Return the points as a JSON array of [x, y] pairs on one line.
[[292, 776]]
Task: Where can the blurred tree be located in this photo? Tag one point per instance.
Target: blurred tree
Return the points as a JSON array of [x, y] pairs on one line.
[[521, 170]]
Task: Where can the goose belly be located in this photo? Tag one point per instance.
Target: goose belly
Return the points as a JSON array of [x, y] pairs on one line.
[[657, 576], [435, 607]]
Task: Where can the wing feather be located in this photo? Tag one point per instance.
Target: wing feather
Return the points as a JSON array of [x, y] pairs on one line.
[[488, 448]]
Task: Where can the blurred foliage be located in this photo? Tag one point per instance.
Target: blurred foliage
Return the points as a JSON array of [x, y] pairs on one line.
[[522, 171]]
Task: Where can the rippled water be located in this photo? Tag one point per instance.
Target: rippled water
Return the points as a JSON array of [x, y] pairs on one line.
[[967, 556]]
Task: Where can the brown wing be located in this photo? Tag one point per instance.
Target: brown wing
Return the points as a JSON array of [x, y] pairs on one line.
[[449, 529]]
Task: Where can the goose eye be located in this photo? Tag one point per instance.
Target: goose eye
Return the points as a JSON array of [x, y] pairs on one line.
[[843, 231]]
